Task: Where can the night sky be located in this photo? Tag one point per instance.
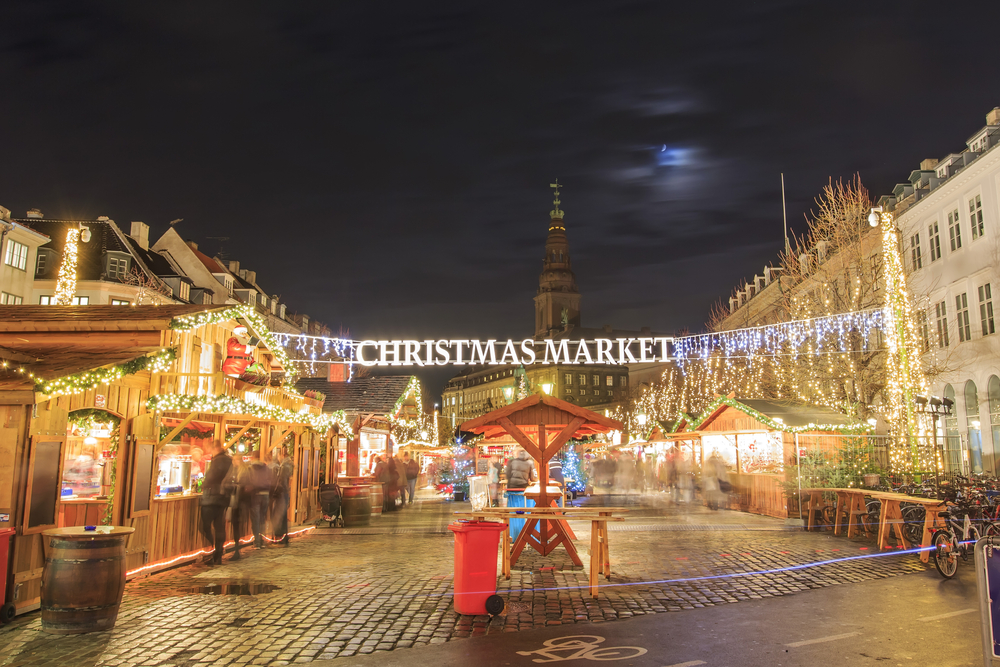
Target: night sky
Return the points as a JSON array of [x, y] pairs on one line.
[[385, 166]]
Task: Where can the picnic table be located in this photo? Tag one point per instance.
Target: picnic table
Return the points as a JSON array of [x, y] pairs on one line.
[[534, 532], [890, 516]]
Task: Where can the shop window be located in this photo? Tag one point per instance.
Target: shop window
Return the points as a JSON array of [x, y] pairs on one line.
[[181, 463], [83, 475], [43, 483]]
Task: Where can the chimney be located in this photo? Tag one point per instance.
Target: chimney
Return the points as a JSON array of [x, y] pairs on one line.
[[192, 244], [35, 214], [928, 164], [4, 213], [249, 276], [140, 233], [234, 267], [104, 218], [993, 117], [338, 373], [607, 328]]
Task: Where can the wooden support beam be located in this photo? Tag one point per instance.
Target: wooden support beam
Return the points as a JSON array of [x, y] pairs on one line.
[[564, 435], [177, 429], [239, 434], [521, 438]]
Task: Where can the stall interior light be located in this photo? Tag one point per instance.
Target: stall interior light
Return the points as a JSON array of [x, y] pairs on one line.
[[90, 440]]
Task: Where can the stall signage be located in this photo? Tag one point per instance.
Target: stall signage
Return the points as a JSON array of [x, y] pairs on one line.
[[100, 401], [527, 352]]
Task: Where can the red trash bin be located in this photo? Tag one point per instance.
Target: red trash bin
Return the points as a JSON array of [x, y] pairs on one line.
[[476, 545], [6, 609]]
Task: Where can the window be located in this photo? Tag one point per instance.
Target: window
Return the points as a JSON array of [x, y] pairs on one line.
[[81, 300], [954, 231], [923, 330], [935, 241], [45, 301], [10, 299], [568, 378], [17, 255], [117, 268], [962, 306], [975, 216], [583, 379], [916, 261], [609, 381], [596, 380], [622, 381], [40, 263], [941, 317], [119, 302], [583, 392], [986, 309]]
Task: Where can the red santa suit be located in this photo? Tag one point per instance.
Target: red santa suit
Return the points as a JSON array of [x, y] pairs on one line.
[[237, 357]]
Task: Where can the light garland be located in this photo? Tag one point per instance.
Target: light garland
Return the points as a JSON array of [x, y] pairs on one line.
[[230, 405], [78, 383], [407, 432], [66, 279], [310, 350], [189, 322], [848, 429]]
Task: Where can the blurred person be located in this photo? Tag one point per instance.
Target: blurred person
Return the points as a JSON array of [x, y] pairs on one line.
[[239, 503], [640, 474], [401, 485], [281, 495], [215, 501], [683, 478], [412, 473], [493, 480], [257, 485], [716, 481], [520, 471]]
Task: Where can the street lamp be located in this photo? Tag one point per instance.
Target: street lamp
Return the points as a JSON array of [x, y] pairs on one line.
[[935, 407], [547, 387]]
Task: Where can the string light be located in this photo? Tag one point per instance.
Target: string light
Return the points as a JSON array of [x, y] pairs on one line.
[[66, 278], [235, 406], [78, 383], [256, 322]]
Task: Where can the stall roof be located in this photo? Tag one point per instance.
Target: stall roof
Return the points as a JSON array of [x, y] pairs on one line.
[[375, 395], [530, 412], [94, 318], [789, 414]]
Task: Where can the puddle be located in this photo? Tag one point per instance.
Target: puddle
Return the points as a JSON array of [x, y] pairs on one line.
[[231, 588]]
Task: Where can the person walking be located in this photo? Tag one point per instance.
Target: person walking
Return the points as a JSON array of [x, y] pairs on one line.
[[257, 485], [239, 503], [281, 495], [401, 486], [520, 471], [412, 473], [493, 480], [214, 501]]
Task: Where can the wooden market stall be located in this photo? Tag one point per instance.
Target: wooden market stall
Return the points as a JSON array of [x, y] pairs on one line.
[[541, 425], [758, 440], [104, 412]]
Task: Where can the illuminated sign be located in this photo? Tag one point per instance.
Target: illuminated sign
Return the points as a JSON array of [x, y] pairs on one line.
[[527, 352]]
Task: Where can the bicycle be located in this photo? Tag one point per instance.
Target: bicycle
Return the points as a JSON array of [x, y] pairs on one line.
[[947, 544]]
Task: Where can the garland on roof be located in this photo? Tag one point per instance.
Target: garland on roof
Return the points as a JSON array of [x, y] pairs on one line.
[[856, 428], [229, 405], [422, 430], [257, 323], [78, 383]]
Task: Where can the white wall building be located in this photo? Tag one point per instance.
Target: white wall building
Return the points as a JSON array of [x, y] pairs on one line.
[[18, 259], [949, 218]]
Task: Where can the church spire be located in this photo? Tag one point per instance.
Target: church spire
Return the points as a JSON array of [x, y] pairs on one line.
[[557, 303]]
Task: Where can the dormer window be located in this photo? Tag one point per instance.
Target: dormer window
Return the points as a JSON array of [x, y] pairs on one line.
[[185, 291], [117, 268]]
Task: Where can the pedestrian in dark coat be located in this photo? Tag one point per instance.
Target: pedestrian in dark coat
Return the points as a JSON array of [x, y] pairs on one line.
[[214, 501]]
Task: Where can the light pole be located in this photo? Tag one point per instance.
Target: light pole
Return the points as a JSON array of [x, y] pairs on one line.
[[935, 407]]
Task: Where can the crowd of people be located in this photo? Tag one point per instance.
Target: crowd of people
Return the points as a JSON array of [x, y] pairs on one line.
[[235, 491], [672, 472], [398, 475]]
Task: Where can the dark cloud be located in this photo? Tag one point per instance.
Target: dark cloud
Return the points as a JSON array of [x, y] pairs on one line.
[[384, 166]]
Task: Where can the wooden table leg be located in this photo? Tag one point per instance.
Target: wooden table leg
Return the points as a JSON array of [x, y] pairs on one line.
[[842, 502], [595, 558], [505, 562], [930, 520], [605, 550]]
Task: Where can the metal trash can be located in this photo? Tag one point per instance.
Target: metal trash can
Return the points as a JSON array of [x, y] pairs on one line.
[[476, 544]]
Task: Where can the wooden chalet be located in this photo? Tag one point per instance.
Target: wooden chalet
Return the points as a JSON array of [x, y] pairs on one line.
[[104, 411], [757, 439]]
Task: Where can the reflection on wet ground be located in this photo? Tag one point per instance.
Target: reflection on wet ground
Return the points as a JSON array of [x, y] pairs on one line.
[[231, 588]]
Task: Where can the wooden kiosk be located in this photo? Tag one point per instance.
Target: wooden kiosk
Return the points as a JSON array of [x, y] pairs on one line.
[[542, 424]]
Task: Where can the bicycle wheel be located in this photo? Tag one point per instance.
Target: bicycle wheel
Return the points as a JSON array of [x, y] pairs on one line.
[[913, 526], [970, 544], [992, 529], [830, 517], [945, 559]]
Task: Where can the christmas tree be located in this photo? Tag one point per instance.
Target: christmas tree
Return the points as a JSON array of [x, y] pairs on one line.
[[573, 468]]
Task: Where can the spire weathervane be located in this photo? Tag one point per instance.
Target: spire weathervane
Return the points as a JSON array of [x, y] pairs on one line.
[[555, 187]]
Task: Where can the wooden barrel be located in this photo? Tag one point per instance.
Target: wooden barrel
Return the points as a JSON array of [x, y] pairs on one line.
[[357, 506], [83, 580], [377, 498]]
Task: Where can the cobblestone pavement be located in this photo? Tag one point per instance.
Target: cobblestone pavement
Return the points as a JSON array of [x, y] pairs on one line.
[[342, 594]]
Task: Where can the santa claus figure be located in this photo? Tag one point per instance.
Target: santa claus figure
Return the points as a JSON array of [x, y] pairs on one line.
[[239, 354]]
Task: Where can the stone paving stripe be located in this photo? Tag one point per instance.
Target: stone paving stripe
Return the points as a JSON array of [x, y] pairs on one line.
[[948, 615], [821, 640], [689, 663]]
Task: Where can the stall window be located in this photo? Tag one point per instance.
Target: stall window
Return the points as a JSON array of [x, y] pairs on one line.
[[142, 479], [181, 463], [83, 467], [43, 483]]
